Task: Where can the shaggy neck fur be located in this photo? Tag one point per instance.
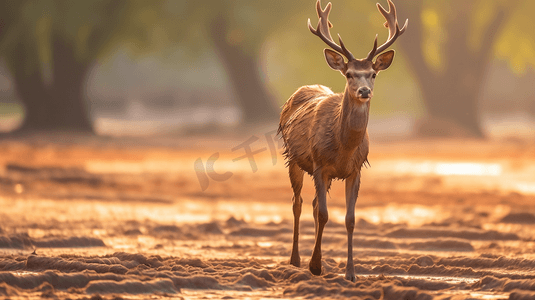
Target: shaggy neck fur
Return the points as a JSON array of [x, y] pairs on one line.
[[353, 121]]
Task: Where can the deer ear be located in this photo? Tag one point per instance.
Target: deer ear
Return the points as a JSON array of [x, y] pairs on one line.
[[335, 60], [383, 61]]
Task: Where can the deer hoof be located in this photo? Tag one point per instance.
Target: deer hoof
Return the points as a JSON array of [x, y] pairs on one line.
[[351, 277], [315, 268], [295, 261]]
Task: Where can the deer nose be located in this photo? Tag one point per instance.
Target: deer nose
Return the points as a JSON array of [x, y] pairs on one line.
[[364, 92]]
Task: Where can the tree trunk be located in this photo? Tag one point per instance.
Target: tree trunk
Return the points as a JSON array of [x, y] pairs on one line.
[[243, 70], [452, 106], [34, 95], [57, 107], [450, 95], [68, 87]]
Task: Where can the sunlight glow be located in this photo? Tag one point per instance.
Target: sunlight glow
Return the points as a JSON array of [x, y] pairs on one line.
[[447, 168], [526, 187], [265, 244], [413, 215], [476, 169]]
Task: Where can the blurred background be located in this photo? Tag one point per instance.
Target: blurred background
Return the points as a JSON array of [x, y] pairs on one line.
[[124, 124], [463, 68]]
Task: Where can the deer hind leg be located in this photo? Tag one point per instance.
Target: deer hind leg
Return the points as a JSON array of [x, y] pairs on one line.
[[296, 178], [352, 191], [315, 214], [321, 216], [315, 209]]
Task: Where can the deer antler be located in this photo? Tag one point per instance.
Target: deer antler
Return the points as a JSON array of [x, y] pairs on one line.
[[323, 32], [393, 29]]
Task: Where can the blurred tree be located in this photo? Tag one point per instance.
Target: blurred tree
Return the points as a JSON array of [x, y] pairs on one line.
[[449, 45], [293, 56], [243, 69], [50, 45], [237, 30]]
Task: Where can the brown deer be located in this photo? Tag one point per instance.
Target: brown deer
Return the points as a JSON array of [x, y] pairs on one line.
[[325, 133]]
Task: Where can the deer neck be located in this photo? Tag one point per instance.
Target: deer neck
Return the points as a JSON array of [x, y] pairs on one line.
[[353, 121]]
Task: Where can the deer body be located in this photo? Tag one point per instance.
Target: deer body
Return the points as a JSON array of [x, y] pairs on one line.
[[325, 134], [325, 129]]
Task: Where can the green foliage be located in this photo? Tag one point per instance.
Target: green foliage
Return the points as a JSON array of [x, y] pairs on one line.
[[516, 43], [273, 31], [293, 57], [92, 28], [148, 26], [434, 38]]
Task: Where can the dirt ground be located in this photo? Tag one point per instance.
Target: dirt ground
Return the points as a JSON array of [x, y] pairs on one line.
[[94, 217]]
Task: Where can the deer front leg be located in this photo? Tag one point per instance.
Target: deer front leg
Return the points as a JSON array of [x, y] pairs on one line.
[[321, 218], [352, 191], [296, 178]]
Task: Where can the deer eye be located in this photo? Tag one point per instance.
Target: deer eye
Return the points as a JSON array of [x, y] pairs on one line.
[[348, 75], [374, 75]]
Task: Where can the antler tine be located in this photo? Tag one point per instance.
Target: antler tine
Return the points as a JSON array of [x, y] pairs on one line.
[[344, 49], [371, 54], [393, 29], [323, 32], [324, 13]]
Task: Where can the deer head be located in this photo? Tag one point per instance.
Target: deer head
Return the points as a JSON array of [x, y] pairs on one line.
[[360, 73]]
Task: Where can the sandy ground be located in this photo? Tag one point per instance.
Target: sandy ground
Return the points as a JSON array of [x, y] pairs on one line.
[[102, 218]]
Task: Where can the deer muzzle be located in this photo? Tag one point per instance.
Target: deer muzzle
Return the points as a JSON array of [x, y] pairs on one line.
[[364, 94]]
